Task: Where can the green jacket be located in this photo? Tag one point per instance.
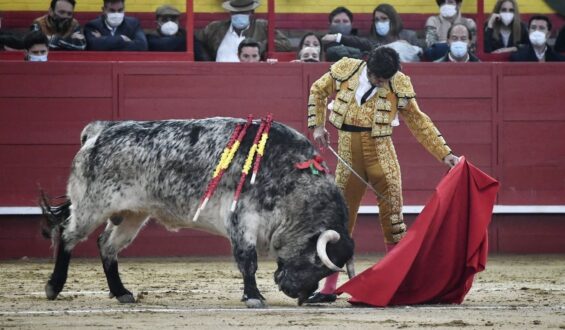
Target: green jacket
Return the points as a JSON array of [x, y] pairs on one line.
[[213, 34]]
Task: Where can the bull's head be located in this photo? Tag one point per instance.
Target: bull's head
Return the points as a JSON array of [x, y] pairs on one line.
[[324, 254]]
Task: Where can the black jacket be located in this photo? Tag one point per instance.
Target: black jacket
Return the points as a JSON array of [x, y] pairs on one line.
[[130, 28], [176, 43], [491, 44], [527, 54], [560, 41]]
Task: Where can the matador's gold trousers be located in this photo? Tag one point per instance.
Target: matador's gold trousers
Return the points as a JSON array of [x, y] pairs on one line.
[[375, 160]]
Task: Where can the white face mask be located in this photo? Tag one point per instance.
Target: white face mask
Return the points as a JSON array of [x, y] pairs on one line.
[[169, 28], [382, 28], [538, 38], [37, 58], [114, 19], [458, 49], [506, 18], [447, 10]]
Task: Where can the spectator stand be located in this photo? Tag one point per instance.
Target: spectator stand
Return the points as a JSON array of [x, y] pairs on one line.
[[283, 16]]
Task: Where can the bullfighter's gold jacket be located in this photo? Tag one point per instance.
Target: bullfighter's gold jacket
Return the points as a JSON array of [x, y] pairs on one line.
[[378, 112]]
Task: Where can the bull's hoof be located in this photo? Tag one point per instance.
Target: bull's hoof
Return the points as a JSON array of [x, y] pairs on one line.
[[255, 303], [51, 292], [126, 298]]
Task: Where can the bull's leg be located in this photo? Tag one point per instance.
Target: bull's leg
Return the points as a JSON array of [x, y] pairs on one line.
[[71, 232], [245, 254], [59, 276], [110, 243], [246, 259]]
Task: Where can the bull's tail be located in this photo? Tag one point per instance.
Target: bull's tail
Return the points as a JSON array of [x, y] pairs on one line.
[[54, 216]]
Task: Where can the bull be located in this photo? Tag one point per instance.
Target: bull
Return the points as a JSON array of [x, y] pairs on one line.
[[128, 172]]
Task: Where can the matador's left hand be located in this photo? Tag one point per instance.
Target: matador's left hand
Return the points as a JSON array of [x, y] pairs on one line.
[[451, 160]]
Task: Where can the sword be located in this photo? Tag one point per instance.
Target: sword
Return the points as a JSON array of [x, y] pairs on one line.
[[346, 164]]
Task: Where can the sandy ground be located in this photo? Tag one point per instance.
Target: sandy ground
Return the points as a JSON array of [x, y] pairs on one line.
[[515, 292]]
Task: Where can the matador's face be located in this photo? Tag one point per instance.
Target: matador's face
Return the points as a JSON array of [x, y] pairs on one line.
[[377, 81]]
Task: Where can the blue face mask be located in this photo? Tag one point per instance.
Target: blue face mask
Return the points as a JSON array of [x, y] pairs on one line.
[[240, 21], [382, 28]]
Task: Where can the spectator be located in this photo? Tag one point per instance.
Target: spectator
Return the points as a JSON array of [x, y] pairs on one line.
[[221, 38], [309, 54], [169, 36], [310, 39], [9, 41], [505, 31], [459, 41], [437, 26], [113, 30], [249, 51], [61, 29], [560, 41], [341, 24], [537, 51], [387, 29], [36, 46]]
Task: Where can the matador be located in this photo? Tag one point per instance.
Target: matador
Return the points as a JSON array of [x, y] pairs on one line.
[[369, 97]]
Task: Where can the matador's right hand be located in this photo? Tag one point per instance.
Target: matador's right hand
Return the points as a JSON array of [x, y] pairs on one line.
[[321, 136]]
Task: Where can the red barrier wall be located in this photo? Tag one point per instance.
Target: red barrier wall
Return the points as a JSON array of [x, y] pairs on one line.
[[506, 118]]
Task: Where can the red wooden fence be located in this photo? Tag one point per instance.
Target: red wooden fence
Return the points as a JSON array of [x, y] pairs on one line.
[[507, 118]]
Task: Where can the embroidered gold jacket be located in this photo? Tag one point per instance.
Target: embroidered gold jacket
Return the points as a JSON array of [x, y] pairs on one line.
[[378, 112]]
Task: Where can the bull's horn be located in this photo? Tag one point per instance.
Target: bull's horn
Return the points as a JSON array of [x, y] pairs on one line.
[[325, 237]]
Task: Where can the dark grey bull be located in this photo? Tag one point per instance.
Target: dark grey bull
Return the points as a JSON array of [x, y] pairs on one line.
[[127, 172]]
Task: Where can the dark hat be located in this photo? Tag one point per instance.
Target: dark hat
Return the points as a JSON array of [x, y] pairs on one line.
[[166, 10], [240, 5]]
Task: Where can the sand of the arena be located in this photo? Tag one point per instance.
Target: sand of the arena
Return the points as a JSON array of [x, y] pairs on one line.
[[515, 292]]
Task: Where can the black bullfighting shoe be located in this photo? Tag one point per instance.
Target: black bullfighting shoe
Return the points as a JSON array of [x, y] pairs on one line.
[[319, 297]]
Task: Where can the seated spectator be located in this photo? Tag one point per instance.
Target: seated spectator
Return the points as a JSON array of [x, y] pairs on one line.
[[113, 30], [310, 39], [62, 30], [387, 29], [249, 51], [36, 46], [221, 38], [560, 41], [459, 41], [437, 26], [169, 36], [539, 28], [9, 41], [341, 24], [505, 31], [309, 54]]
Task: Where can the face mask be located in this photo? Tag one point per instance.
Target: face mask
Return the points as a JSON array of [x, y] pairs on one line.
[[447, 11], [114, 19], [458, 49], [169, 28], [37, 58], [537, 38], [506, 18], [240, 21], [382, 28], [344, 29]]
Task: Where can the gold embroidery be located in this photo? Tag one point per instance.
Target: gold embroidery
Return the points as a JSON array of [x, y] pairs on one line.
[[383, 104], [345, 68], [390, 209], [342, 173], [402, 86]]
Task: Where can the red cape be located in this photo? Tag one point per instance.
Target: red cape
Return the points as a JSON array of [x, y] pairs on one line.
[[447, 244]]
